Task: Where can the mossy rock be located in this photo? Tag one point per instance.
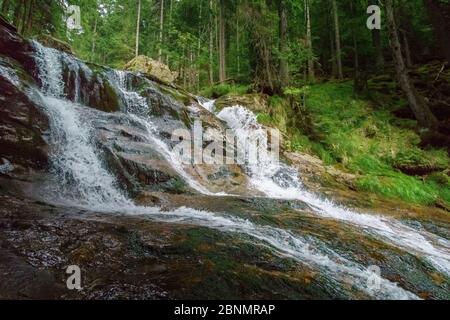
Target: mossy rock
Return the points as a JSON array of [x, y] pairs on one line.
[[55, 43], [255, 102], [151, 67]]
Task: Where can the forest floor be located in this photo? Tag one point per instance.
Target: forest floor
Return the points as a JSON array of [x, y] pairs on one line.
[[371, 140]]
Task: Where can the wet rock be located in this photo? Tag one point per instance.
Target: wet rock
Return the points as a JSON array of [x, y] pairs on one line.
[[137, 164], [12, 45], [22, 123]]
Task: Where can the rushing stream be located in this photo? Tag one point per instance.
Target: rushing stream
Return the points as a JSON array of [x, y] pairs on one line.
[[82, 179]]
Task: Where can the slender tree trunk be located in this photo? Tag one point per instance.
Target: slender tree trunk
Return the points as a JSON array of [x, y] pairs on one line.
[[333, 54], [440, 18], [376, 42], [29, 24], [5, 7], [211, 43], [416, 101], [406, 49], [284, 67], [238, 45], [17, 11], [170, 26], [23, 23], [94, 38], [222, 50], [161, 30], [199, 46], [138, 24], [338, 39], [311, 73]]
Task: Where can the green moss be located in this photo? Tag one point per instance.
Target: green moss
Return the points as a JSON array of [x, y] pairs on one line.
[[361, 138]]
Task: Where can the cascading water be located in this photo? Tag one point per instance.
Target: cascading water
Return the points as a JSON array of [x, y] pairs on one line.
[[84, 181], [278, 180]]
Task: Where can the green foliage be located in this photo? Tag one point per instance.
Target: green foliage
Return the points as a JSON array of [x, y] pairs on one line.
[[365, 141], [220, 90]]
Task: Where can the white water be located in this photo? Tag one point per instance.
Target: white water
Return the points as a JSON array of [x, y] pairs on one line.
[[83, 181], [277, 180]]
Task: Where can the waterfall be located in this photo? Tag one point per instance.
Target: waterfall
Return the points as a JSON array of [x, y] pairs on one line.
[[278, 180], [82, 179], [50, 70]]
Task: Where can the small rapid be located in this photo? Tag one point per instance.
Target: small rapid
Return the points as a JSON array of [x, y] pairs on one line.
[[280, 181], [83, 180]]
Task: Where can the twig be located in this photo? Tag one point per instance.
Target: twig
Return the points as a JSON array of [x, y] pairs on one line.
[[440, 71]]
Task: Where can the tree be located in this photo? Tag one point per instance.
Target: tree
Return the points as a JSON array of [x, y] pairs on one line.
[[311, 74], [376, 42], [5, 7], [222, 44], [260, 28], [211, 43], [337, 39], [161, 30], [138, 23], [284, 67], [439, 13], [416, 101]]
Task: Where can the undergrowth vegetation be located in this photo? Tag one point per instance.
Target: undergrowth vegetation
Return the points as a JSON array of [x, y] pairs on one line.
[[219, 90], [364, 138]]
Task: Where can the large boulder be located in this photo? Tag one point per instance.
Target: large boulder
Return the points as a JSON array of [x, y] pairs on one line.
[[153, 68]]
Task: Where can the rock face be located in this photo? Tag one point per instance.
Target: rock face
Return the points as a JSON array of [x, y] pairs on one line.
[[152, 68], [22, 124]]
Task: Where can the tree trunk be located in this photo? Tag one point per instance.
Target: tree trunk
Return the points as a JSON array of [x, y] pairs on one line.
[[406, 49], [170, 27], [23, 20], [5, 7], [138, 23], [440, 18], [161, 30], [211, 43], [311, 73], [222, 62], [199, 46], [376, 42], [416, 102], [238, 45], [29, 24], [17, 11], [333, 54], [338, 39], [284, 67], [94, 37]]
